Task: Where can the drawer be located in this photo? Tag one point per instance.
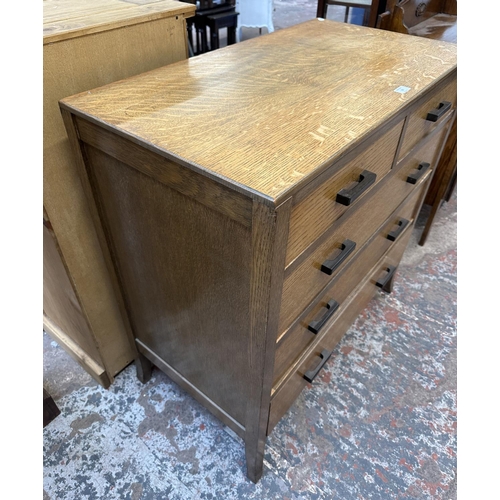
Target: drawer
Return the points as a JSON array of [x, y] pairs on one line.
[[299, 336], [318, 210], [419, 126], [303, 283], [286, 393]]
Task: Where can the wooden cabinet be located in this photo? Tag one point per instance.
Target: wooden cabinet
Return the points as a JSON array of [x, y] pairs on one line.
[[87, 44], [253, 199]]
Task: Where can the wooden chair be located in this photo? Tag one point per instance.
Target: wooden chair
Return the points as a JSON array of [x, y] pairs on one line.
[[214, 15], [369, 6], [435, 19]]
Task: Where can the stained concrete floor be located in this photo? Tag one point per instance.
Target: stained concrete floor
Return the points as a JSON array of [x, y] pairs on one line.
[[378, 423]]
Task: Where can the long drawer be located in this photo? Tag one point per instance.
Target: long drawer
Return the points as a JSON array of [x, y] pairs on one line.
[[318, 210], [321, 313], [284, 395], [307, 279]]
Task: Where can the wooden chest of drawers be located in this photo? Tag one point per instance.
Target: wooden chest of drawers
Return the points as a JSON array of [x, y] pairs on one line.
[[252, 200]]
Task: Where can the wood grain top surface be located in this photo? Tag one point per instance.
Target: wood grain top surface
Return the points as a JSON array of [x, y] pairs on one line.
[[270, 112], [63, 19]]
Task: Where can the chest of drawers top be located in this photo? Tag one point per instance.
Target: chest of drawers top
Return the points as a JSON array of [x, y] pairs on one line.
[[267, 115]]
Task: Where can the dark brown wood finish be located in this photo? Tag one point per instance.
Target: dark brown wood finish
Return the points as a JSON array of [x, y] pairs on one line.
[[443, 182], [180, 278], [370, 17], [292, 342], [293, 382], [304, 282], [269, 236], [50, 408], [197, 228]]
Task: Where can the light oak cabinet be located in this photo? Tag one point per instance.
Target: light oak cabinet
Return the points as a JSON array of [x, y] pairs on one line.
[[252, 200], [87, 44]]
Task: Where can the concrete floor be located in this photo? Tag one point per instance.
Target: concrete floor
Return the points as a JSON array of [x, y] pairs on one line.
[[379, 423]]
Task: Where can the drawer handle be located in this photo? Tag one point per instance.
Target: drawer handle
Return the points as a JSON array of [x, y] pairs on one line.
[[310, 375], [436, 114], [393, 235], [385, 281], [421, 169], [345, 249], [347, 196], [317, 325]]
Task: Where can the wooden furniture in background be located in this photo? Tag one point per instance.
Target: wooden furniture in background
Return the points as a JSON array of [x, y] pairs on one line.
[[213, 16], [251, 214], [87, 44], [370, 8], [437, 20]]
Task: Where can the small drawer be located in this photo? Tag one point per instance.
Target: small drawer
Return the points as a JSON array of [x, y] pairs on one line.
[[300, 335], [284, 395], [319, 209], [427, 117], [305, 281]]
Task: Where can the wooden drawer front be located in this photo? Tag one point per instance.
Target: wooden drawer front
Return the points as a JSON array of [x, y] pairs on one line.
[[304, 283], [312, 215], [418, 126], [298, 337], [284, 395]]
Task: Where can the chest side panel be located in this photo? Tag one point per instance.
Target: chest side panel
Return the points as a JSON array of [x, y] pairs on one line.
[[184, 269]]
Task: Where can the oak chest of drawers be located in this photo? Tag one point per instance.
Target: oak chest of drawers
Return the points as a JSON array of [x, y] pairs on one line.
[[252, 200]]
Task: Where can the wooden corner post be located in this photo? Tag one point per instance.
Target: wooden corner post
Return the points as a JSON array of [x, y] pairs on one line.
[[269, 238]]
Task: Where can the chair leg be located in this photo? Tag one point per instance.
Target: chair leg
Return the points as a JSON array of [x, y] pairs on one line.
[[231, 35], [366, 17], [322, 6], [214, 43], [346, 17]]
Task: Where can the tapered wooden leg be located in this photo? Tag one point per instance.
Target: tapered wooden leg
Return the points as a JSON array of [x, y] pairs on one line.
[[269, 238], [254, 453], [386, 282], [388, 287], [144, 368]]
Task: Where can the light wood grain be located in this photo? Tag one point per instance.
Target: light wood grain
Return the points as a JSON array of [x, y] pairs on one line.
[[60, 302], [204, 190], [319, 210], [266, 123], [418, 126], [74, 65], [65, 19], [75, 350]]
